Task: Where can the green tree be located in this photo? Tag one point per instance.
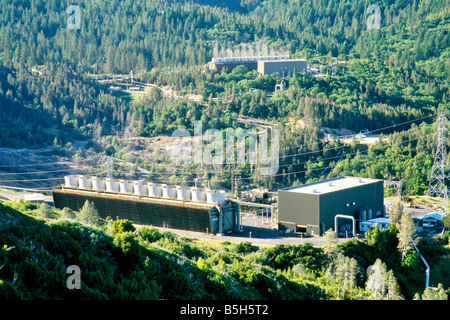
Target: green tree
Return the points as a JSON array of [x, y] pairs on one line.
[[373, 234], [149, 233], [120, 226], [381, 282], [396, 213], [435, 294], [127, 243], [89, 214], [404, 235], [68, 214], [447, 221], [44, 211], [345, 271], [331, 240]]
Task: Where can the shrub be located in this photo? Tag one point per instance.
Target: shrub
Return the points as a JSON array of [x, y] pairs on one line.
[[44, 211], [120, 226], [244, 247], [68, 214], [148, 233]]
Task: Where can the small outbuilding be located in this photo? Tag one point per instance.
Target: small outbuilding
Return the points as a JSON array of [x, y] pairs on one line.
[[382, 223], [433, 219]]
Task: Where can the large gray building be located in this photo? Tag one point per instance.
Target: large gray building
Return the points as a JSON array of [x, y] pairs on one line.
[[285, 68], [251, 63], [313, 207]]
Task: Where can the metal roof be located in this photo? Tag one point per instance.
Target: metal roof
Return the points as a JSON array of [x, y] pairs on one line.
[[332, 185], [433, 216]]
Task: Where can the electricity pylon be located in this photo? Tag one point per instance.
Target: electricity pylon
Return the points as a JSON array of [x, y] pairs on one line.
[[438, 176]]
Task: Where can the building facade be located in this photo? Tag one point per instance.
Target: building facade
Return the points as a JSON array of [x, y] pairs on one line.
[[285, 68], [313, 208]]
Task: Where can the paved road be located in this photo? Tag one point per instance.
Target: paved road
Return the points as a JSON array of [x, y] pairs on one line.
[[13, 196], [259, 231], [256, 232], [10, 195]]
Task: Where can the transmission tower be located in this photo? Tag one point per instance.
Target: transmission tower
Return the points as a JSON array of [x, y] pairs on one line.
[[398, 185], [438, 177]]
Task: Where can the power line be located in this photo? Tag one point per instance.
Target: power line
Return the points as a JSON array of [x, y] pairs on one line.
[[28, 180], [402, 123], [35, 164], [232, 170], [300, 163], [281, 157], [301, 171], [36, 172], [293, 164], [380, 129]]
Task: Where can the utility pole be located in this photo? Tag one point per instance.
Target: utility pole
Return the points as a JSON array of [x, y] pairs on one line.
[[237, 186], [438, 177]]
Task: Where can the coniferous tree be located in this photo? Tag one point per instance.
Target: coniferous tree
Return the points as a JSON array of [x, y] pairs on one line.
[[381, 282], [405, 233], [89, 214]]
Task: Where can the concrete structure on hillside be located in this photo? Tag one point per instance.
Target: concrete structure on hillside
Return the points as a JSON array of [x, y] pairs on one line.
[[161, 205]]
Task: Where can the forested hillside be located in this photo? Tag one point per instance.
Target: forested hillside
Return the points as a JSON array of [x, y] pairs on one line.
[[118, 261], [397, 74]]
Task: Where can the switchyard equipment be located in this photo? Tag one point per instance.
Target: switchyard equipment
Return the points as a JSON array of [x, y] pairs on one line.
[[193, 209], [316, 207]]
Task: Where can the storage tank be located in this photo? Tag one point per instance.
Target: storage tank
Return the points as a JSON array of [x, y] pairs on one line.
[[125, 186], [140, 188], [112, 185], [215, 196], [363, 215], [369, 214], [84, 182], [98, 183], [169, 192], [183, 193], [71, 181], [198, 195]]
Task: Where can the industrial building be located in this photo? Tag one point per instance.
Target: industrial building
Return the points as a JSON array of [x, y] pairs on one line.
[[194, 209], [251, 63], [337, 203], [285, 67]]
